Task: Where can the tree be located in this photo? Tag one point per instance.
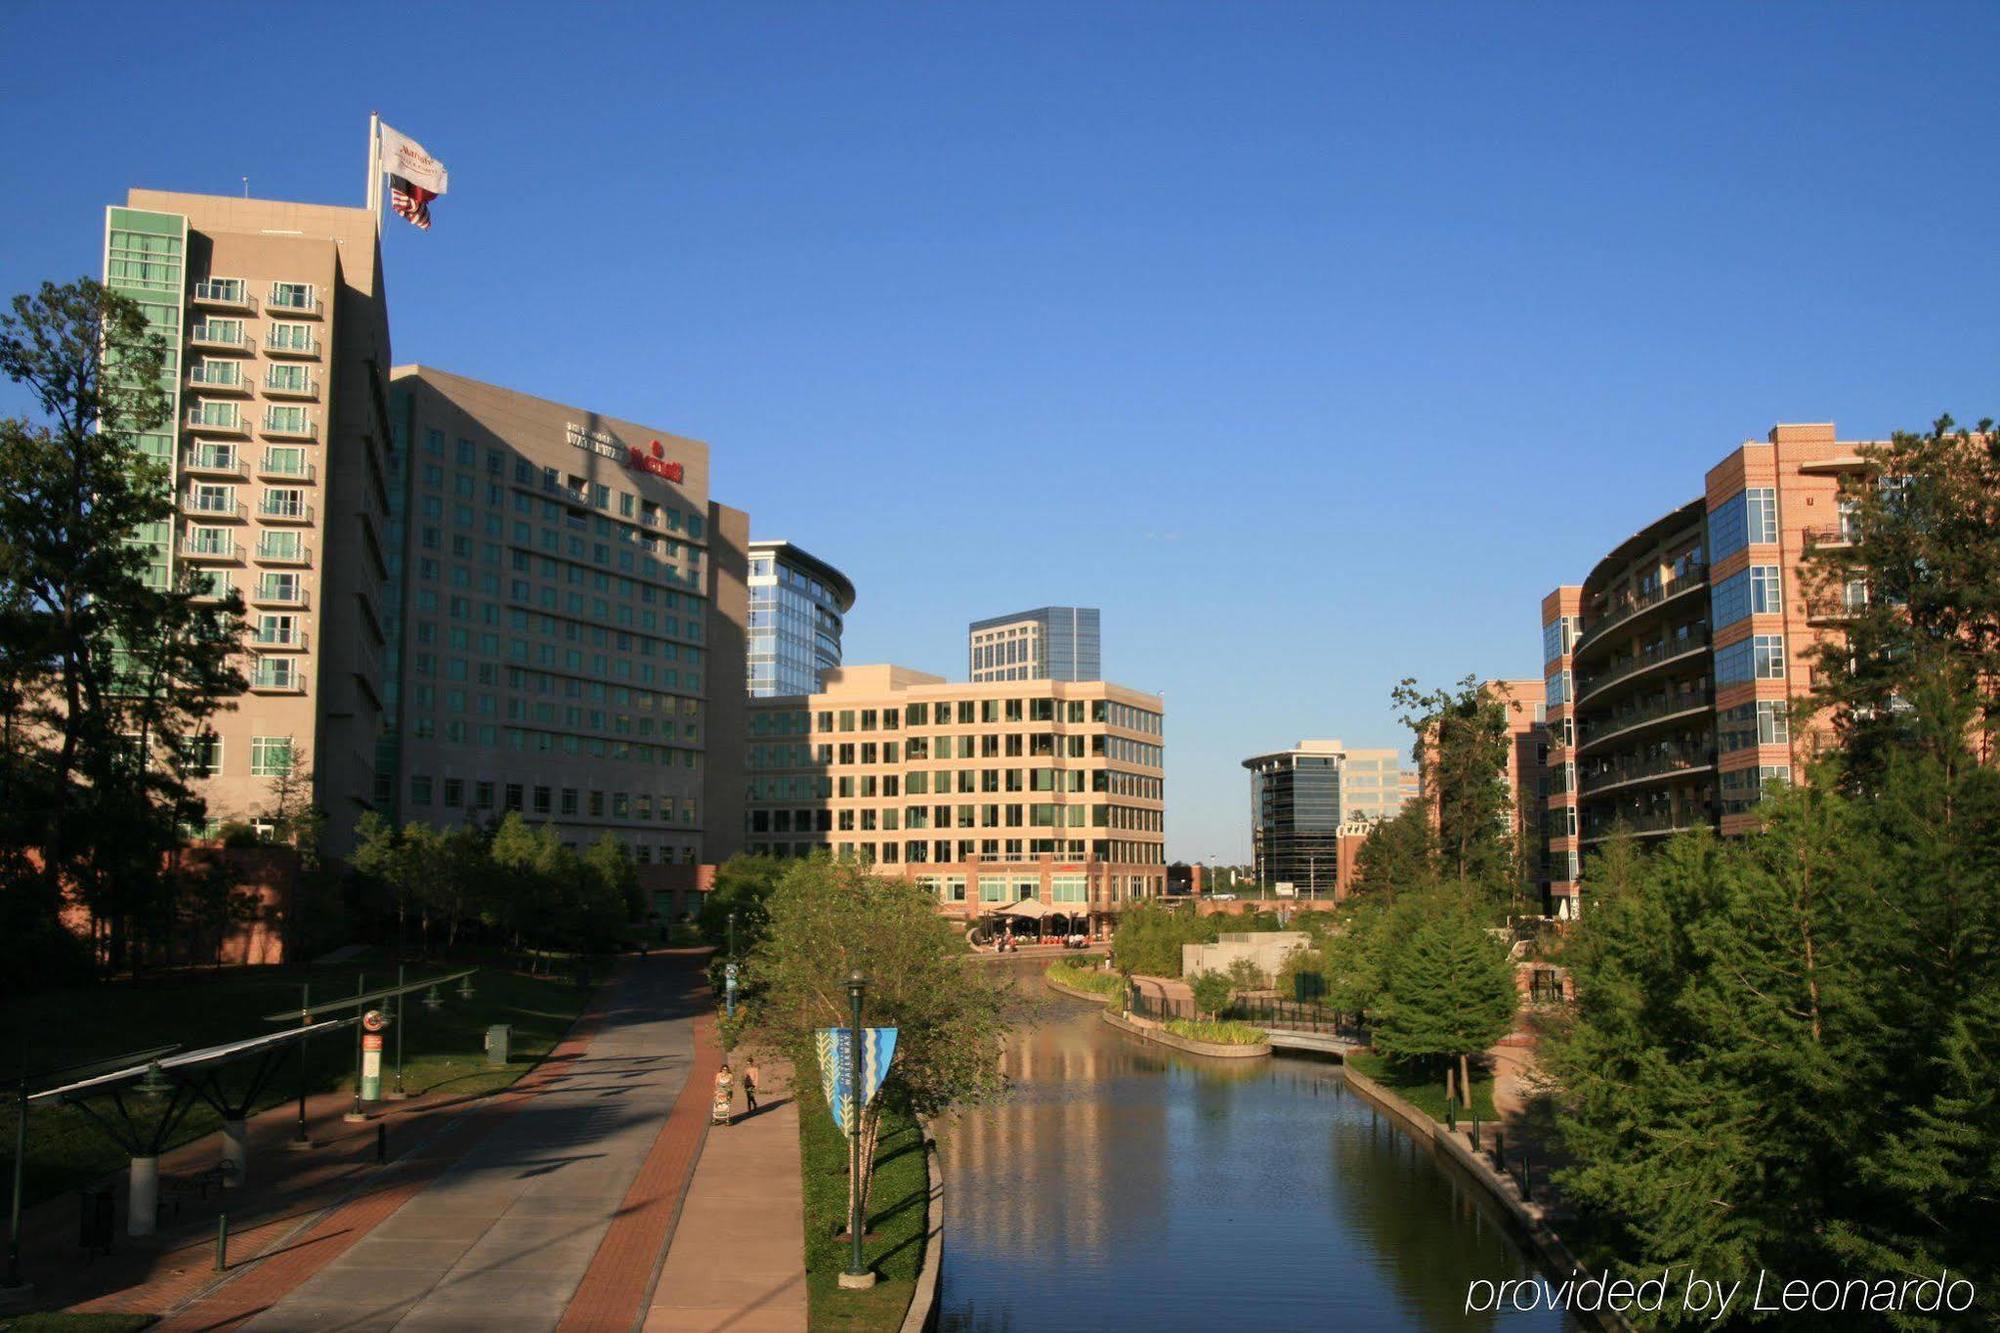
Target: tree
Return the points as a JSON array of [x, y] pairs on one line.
[[1917, 587], [1398, 855], [1149, 939], [1211, 992], [1461, 749], [830, 920], [1449, 990], [617, 875], [110, 671]]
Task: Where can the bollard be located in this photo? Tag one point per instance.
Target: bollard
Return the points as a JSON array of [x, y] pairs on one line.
[[222, 1242], [381, 1142]]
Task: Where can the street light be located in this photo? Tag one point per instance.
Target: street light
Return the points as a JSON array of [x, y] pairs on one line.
[[857, 1277]]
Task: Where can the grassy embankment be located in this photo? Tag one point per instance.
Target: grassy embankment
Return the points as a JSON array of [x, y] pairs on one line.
[[1087, 979], [893, 1240], [1222, 1033], [1424, 1089], [444, 1050]]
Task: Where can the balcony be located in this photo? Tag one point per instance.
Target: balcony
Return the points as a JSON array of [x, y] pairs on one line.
[[292, 304], [218, 419], [278, 344], [212, 463], [225, 294], [1665, 823], [282, 553], [268, 679], [210, 550], [1829, 538], [282, 386], [1658, 710], [282, 512], [222, 336], [222, 377], [290, 428], [195, 504], [282, 639], [1834, 610], [211, 586], [1696, 576], [282, 468], [277, 594], [1664, 653], [1679, 763]]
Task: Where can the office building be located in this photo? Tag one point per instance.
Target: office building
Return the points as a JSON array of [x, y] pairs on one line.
[[1048, 643], [798, 606], [277, 331], [569, 621], [1668, 669], [1304, 800], [987, 793]]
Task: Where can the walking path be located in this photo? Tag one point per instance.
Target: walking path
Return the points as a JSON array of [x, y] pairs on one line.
[[500, 1234], [738, 1259]]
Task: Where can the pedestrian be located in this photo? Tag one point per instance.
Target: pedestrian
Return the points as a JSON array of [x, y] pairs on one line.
[[724, 1105], [750, 1085]]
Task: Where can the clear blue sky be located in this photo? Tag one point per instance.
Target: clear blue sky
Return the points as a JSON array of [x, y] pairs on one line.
[[1313, 343]]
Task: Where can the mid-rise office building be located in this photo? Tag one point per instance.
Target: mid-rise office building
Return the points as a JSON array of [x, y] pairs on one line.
[[798, 608], [1670, 667], [278, 337], [1048, 643], [988, 793], [1304, 800], [569, 620]]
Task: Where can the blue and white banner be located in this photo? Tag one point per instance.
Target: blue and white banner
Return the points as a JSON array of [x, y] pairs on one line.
[[836, 1065]]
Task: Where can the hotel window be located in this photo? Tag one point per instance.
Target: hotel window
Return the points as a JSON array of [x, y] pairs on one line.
[[454, 792], [279, 630], [228, 331], [420, 790], [289, 420], [270, 756], [207, 498], [289, 461], [1769, 656], [280, 546], [284, 504], [276, 673], [291, 337], [288, 379], [292, 296], [202, 755]]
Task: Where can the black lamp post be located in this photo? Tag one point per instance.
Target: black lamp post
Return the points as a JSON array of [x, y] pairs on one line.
[[857, 1276]]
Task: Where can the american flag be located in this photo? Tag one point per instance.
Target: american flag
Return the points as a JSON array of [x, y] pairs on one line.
[[411, 201]]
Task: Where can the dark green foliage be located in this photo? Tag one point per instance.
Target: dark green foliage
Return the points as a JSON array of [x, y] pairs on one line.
[[1149, 939], [1448, 987], [1399, 855], [743, 885], [1461, 748], [1211, 992], [106, 674]]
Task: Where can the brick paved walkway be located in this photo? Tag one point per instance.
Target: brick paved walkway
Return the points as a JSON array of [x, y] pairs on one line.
[[738, 1260], [494, 1229]]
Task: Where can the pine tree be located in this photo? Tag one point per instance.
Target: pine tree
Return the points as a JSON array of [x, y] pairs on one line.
[[1450, 989]]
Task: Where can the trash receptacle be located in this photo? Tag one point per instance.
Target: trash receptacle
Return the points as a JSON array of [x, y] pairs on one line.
[[498, 1043], [94, 1219]]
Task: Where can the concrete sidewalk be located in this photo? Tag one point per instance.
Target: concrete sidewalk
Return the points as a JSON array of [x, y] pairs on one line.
[[738, 1258], [503, 1235]]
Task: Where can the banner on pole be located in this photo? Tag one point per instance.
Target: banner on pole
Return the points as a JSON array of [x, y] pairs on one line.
[[836, 1065]]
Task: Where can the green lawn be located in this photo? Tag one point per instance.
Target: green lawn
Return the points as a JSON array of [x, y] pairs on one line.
[[1424, 1089], [443, 1050], [896, 1218]]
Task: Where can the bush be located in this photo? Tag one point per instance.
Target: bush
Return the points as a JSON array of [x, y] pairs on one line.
[[1211, 992], [1150, 937], [1086, 979]]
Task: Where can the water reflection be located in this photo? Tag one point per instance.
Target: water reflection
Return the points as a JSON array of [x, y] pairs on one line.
[[1122, 1185]]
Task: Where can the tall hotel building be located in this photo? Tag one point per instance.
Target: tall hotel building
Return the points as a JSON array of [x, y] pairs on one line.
[[1048, 643], [1669, 668], [278, 338], [987, 793], [798, 607], [570, 618]]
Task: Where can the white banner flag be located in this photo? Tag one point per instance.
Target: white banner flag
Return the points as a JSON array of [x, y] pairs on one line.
[[405, 157]]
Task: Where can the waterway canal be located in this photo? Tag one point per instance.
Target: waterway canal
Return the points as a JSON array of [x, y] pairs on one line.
[[1124, 1185]]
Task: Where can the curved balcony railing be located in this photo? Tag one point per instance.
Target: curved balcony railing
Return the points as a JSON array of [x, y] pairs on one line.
[[1692, 577], [1620, 723], [1682, 760], [1652, 655]]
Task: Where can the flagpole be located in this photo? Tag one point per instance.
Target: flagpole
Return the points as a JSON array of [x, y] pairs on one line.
[[375, 169]]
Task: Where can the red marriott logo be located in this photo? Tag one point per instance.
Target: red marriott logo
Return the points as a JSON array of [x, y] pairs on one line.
[[640, 461]]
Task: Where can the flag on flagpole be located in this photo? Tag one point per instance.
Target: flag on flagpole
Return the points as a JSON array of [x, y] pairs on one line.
[[415, 177]]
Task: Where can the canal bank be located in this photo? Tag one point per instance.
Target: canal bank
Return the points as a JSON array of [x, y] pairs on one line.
[[1123, 1184]]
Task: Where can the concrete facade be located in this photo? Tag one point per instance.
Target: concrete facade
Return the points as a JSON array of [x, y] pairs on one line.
[[988, 793], [571, 619], [278, 332]]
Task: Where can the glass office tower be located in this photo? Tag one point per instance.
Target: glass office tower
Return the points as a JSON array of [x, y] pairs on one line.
[[1048, 643], [798, 605]]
